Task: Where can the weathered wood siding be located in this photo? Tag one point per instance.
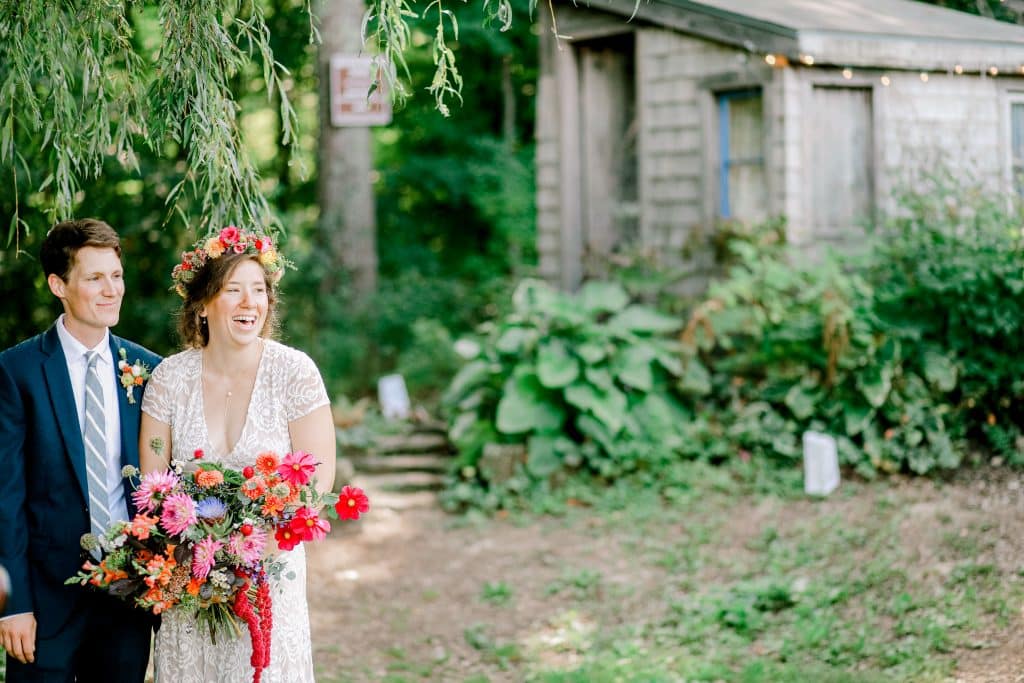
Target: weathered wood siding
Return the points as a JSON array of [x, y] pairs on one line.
[[678, 77], [876, 139], [547, 157], [836, 145]]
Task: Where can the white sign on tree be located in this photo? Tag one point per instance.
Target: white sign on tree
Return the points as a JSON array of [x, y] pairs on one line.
[[352, 103]]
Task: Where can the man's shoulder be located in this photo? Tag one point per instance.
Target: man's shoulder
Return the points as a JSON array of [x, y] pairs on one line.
[[22, 351], [138, 352]]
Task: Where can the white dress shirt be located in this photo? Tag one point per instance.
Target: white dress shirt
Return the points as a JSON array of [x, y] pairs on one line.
[[74, 353]]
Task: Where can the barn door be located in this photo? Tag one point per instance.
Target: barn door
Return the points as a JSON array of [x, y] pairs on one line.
[[608, 145], [841, 173]]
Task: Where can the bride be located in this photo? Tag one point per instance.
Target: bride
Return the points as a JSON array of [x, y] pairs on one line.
[[232, 394]]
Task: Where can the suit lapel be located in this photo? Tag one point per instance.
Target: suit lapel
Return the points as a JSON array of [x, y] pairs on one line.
[[129, 414], [55, 369]]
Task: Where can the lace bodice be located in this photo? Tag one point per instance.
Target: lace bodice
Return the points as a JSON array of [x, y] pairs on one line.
[[287, 387]]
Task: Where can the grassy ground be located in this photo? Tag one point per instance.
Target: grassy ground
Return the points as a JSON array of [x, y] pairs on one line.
[[733, 578]]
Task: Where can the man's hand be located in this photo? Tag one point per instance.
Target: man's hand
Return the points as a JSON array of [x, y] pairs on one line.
[[18, 637]]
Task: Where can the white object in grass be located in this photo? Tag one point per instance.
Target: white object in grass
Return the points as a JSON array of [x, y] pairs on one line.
[[393, 397], [821, 464]]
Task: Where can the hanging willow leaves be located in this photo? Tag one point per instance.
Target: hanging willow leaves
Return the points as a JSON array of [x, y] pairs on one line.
[[76, 88]]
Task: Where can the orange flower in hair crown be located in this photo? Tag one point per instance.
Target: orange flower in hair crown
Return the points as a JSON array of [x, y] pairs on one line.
[[230, 240]]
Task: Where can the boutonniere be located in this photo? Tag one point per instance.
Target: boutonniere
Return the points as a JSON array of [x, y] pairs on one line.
[[132, 374]]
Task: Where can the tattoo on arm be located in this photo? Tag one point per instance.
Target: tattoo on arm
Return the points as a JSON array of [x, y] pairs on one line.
[[157, 445]]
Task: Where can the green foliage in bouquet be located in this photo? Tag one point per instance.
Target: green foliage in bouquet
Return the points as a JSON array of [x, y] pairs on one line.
[[579, 383]]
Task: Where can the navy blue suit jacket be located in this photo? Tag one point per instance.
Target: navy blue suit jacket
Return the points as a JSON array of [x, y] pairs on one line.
[[43, 488]]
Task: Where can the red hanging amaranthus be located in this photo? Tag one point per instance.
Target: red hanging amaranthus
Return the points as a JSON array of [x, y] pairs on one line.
[[265, 607], [260, 623]]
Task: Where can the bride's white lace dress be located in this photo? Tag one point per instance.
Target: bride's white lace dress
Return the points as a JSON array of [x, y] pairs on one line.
[[288, 386]]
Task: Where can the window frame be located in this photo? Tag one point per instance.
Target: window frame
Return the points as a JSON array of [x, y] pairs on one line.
[[1014, 164], [723, 98]]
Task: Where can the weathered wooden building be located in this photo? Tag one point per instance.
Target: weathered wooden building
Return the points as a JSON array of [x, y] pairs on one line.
[[652, 129]]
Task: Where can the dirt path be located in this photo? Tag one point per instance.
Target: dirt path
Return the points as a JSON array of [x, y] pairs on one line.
[[400, 593]]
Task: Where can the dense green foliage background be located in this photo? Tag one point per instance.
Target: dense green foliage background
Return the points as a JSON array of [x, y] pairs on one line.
[[454, 207]]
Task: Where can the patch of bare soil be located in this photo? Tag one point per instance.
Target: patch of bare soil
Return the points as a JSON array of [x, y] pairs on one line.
[[400, 592]]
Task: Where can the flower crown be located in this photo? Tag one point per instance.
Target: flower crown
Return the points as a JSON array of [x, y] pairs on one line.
[[231, 240]]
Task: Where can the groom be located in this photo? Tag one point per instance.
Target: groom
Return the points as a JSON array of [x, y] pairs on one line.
[[67, 427]]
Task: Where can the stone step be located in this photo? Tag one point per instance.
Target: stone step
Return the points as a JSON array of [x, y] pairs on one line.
[[401, 482], [409, 500], [401, 463], [411, 443]]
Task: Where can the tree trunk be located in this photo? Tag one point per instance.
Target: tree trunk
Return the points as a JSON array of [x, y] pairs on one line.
[[348, 222], [508, 97]]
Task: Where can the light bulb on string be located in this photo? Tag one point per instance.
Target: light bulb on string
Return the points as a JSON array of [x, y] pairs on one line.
[[847, 73], [924, 76], [885, 81], [958, 69], [993, 71]]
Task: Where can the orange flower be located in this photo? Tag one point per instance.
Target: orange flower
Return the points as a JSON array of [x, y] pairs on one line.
[[141, 526], [139, 381], [272, 506], [193, 586], [254, 488], [208, 478], [111, 575], [266, 463]]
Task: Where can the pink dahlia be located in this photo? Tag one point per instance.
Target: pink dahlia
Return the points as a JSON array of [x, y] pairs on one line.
[[152, 488], [249, 548], [297, 468], [309, 526], [204, 556], [179, 514]]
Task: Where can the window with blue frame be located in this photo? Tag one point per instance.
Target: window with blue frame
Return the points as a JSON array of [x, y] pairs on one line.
[[743, 191], [1017, 145]]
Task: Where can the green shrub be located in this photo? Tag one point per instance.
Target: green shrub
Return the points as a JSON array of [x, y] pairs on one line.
[[905, 352], [949, 277], [574, 383], [902, 352], [778, 349]]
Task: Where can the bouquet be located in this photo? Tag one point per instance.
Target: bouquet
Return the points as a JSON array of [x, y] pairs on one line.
[[199, 538]]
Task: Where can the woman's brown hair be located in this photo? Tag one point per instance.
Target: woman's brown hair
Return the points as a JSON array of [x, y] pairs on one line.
[[206, 285]]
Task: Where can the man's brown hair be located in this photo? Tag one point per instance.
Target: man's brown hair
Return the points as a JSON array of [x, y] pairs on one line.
[[63, 241]]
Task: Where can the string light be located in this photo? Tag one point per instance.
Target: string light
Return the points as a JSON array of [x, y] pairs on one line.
[[885, 81], [924, 77], [993, 71], [807, 59], [847, 73], [769, 60], [958, 69]]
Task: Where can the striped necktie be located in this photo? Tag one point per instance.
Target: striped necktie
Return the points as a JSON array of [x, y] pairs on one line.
[[94, 436]]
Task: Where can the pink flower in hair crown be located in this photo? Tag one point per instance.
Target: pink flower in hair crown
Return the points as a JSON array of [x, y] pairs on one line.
[[230, 240]]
